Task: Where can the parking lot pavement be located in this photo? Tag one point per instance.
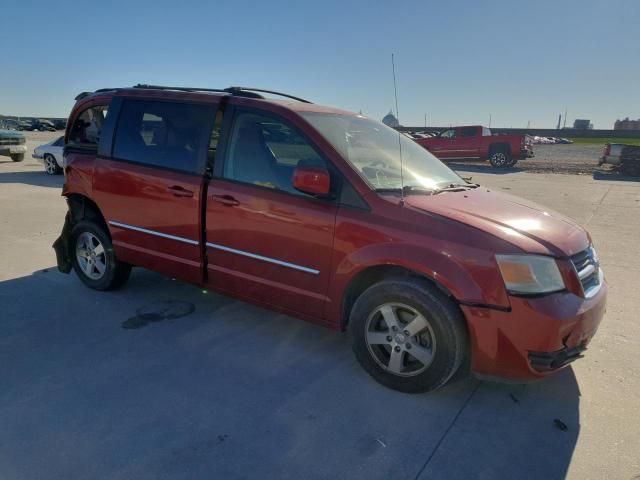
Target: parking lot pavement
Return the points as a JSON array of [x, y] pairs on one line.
[[89, 388]]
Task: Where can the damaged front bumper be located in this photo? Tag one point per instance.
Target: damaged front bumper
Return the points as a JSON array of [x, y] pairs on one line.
[[548, 361]]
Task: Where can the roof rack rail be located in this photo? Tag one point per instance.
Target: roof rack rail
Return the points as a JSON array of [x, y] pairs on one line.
[[82, 95], [180, 89], [238, 91], [272, 92]]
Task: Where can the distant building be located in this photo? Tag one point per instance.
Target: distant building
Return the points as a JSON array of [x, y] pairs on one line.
[[390, 120], [580, 124], [627, 124]]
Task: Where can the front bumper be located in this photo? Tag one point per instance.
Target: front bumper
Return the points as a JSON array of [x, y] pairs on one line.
[[12, 149], [527, 153], [536, 337]]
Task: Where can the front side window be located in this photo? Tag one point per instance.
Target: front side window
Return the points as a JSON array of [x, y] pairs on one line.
[[87, 127], [265, 151], [164, 134], [374, 151]]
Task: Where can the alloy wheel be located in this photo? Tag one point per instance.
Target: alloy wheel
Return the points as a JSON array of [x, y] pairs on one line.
[[50, 165], [91, 256], [400, 339], [499, 159]]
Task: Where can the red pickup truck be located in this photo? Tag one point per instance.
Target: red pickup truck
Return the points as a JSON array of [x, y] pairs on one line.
[[478, 142]]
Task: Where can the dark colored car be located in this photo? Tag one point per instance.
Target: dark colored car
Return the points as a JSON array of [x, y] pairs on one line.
[[313, 211], [625, 158], [477, 142], [38, 124], [59, 124]]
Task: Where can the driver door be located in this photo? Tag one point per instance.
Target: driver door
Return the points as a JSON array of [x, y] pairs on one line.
[[446, 146], [267, 242]]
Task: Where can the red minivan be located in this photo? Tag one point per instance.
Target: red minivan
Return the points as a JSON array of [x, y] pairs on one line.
[[331, 217]]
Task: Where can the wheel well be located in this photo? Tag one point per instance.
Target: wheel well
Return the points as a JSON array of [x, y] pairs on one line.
[[82, 208], [375, 274], [498, 147]]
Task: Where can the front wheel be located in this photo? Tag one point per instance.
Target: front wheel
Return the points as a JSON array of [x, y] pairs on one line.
[[94, 259], [51, 165], [408, 335], [17, 157]]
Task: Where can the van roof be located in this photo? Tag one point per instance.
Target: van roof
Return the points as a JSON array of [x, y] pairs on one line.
[[289, 101]]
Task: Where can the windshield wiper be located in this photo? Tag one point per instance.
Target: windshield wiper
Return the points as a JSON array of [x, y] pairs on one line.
[[456, 187], [406, 189]]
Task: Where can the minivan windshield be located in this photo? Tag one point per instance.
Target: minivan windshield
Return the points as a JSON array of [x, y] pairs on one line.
[[373, 149]]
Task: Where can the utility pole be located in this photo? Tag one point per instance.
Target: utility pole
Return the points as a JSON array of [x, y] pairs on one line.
[[528, 123], [425, 120], [489, 120], [565, 119]]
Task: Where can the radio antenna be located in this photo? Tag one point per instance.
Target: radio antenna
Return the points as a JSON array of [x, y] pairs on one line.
[[395, 92]]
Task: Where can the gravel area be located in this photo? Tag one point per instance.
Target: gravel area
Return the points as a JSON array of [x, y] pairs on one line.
[[566, 159]]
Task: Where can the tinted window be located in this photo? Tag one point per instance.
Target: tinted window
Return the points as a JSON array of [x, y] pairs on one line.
[[87, 127], [469, 131], [164, 134], [264, 151]]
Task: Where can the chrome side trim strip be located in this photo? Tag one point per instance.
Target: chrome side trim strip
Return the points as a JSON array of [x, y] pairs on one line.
[[153, 232], [264, 259]]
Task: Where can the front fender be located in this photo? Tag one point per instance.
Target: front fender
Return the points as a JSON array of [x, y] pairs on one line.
[[469, 274]]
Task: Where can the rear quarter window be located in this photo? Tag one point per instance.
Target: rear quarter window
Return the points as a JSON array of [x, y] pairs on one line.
[[87, 128]]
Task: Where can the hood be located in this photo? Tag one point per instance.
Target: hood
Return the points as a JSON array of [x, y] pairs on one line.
[[11, 134], [527, 225]]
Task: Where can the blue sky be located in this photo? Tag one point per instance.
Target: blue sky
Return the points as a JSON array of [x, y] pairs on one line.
[[456, 61]]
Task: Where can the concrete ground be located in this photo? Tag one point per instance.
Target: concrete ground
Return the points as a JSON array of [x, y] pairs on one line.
[[234, 391]]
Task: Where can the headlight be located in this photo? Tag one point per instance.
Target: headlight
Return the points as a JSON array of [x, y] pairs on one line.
[[530, 274]]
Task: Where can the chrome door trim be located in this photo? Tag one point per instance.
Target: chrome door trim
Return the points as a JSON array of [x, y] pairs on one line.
[[153, 232], [264, 259]]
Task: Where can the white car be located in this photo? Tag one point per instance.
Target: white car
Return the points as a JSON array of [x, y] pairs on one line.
[[50, 155]]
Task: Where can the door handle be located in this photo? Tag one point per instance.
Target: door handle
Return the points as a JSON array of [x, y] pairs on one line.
[[179, 191], [226, 200]]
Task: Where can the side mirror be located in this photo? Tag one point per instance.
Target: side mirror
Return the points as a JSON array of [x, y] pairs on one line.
[[312, 180]]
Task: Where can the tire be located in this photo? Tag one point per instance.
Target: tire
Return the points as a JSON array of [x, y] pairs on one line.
[[500, 157], [102, 270], [17, 157], [441, 340], [51, 166]]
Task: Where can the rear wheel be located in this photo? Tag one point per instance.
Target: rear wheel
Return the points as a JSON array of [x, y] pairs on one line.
[[500, 157], [51, 165], [94, 259], [17, 157], [408, 335]]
